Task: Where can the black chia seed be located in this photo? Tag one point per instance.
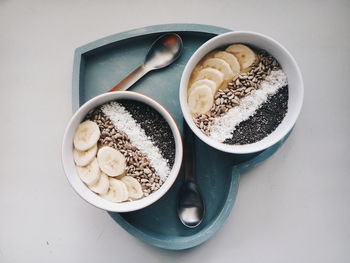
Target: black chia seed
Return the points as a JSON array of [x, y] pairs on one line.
[[264, 121], [155, 127]]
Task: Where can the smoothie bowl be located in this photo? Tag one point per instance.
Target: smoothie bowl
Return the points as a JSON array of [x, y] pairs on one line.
[[121, 151], [241, 92]]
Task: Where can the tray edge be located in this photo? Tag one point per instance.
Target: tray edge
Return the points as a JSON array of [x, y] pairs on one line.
[[236, 170]]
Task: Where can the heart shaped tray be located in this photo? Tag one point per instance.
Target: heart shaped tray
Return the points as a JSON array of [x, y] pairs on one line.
[[99, 65]]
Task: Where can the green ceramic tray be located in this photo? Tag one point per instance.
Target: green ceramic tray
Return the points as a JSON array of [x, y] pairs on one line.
[[99, 65]]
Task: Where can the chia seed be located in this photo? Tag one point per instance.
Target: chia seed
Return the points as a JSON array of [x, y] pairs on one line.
[[155, 127], [264, 121]]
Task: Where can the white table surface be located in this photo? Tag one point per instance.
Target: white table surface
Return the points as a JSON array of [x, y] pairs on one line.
[[293, 208]]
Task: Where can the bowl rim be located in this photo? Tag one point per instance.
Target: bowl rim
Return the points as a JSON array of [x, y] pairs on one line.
[[236, 149], [136, 204]]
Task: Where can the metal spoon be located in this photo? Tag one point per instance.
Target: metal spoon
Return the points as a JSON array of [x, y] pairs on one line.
[[164, 51], [190, 207]]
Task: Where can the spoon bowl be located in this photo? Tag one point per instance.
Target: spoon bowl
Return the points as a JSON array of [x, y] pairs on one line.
[[190, 207], [164, 51]]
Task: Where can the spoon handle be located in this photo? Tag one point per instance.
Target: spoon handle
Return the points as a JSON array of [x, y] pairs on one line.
[[189, 153], [130, 79]]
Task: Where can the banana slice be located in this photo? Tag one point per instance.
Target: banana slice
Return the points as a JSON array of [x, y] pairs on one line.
[[90, 173], [133, 186], [118, 192], [230, 59], [86, 135], [83, 158], [211, 84], [102, 185], [221, 65], [111, 161], [200, 99], [212, 74], [244, 54]]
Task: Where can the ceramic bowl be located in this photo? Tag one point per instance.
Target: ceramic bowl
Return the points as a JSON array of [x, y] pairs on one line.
[[69, 166], [290, 67]]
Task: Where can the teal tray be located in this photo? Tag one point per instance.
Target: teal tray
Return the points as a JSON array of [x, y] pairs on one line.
[[99, 65]]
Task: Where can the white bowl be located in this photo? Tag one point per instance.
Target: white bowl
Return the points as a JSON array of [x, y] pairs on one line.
[[69, 166], [290, 67]]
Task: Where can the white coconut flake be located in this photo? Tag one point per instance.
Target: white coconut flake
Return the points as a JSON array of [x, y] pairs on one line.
[[223, 126], [123, 121]]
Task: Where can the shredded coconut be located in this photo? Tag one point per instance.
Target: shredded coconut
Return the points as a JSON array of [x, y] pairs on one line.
[[123, 121], [223, 126]]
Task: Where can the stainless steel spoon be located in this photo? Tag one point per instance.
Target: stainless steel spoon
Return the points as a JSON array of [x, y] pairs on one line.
[[190, 207], [164, 51]]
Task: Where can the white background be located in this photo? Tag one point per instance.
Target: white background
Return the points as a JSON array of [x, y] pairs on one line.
[[293, 208]]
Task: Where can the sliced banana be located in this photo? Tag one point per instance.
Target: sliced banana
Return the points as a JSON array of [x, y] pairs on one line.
[[90, 173], [111, 161], [212, 74], [102, 185], [211, 84], [86, 135], [230, 59], [201, 99], [133, 186], [83, 158], [118, 192], [220, 65], [196, 70], [244, 54]]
